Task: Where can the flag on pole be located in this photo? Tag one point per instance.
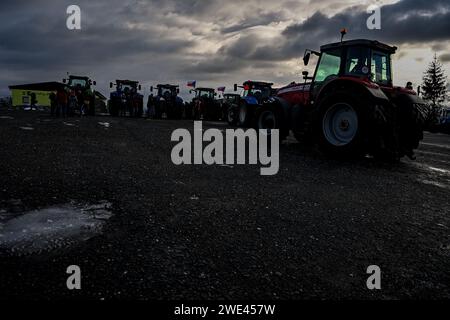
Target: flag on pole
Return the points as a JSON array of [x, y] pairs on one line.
[[221, 89], [192, 84]]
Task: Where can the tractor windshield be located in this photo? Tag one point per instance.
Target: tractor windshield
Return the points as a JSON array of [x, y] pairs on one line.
[[209, 94], [126, 87], [77, 82], [330, 63], [167, 92], [258, 92], [231, 98]]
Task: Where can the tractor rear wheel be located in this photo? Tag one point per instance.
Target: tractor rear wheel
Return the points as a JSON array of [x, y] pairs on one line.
[[340, 125]]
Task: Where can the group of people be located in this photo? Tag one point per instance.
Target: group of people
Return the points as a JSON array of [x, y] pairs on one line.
[[69, 102]]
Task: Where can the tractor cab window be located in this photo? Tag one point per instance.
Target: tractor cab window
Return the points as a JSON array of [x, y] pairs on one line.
[[125, 87], [205, 94], [165, 92], [358, 62], [77, 82], [329, 65], [380, 72], [257, 92]]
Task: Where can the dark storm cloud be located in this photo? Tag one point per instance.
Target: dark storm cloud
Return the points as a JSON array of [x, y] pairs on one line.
[[261, 19], [414, 22], [407, 21], [179, 40]]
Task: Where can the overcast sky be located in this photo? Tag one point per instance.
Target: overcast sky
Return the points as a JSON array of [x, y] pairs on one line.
[[216, 42]]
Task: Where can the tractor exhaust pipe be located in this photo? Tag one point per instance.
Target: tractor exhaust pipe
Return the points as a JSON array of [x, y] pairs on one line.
[[343, 33]]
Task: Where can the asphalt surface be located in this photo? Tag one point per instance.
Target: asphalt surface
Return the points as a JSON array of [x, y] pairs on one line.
[[222, 232]]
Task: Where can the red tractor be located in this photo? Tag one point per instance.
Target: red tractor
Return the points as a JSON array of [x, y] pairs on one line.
[[350, 105]]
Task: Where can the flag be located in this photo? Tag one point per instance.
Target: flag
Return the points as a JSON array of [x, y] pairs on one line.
[[221, 89], [191, 83]]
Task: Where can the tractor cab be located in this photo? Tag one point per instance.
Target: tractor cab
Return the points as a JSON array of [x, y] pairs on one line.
[[205, 106], [167, 90], [205, 93], [257, 90], [126, 85], [363, 60], [232, 98], [79, 82]]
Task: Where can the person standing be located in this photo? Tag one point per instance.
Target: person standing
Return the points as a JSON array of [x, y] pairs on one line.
[[33, 101], [62, 102], [151, 106], [53, 104], [73, 103]]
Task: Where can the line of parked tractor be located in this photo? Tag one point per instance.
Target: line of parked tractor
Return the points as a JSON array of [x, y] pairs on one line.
[[348, 107]]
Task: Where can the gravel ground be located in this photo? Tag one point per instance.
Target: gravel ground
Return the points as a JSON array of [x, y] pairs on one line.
[[199, 232]]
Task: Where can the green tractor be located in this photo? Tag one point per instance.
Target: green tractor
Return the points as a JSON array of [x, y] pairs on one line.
[[81, 87], [204, 105]]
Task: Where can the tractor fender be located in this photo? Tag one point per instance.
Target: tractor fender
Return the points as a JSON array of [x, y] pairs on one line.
[[351, 85]]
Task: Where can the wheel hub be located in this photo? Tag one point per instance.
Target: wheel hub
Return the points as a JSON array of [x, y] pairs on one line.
[[340, 124]]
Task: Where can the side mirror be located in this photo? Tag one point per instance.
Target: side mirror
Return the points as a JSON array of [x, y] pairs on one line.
[[215, 94], [306, 58], [95, 83], [235, 87], [305, 74], [110, 84], [139, 87], [178, 90], [64, 80], [151, 89], [190, 91]]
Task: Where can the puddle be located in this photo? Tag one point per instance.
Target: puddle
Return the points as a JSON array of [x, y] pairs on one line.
[[104, 124], [68, 124], [27, 128], [51, 228], [6, 117], [434, 183]]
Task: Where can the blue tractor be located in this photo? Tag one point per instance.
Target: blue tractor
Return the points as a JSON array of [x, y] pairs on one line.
[[167, 102], [253, 96], [126, 99]]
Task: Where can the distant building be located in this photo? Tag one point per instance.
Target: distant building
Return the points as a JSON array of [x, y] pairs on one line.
[[20, 94]]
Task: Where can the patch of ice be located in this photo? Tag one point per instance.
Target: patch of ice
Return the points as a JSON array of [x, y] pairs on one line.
[[53, 227]]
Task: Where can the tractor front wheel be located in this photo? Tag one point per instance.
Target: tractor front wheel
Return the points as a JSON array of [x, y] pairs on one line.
[[231, 115], [268, 119], [244, 116]]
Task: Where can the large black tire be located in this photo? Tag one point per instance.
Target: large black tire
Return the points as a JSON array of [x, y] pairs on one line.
[[410, 118], [341, 125], [300, 122], [114, 106], [274, 114], [244, 115], [231, 116]]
